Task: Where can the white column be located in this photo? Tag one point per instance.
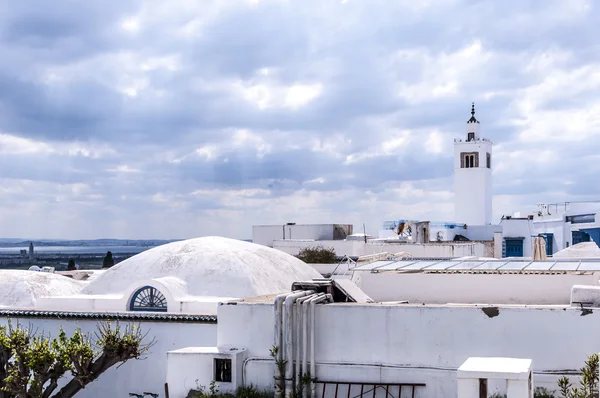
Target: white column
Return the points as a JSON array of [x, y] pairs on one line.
[[468, 388], [518, 389]]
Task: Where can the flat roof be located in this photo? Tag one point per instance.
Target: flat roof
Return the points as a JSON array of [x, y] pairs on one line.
[[504, 265]]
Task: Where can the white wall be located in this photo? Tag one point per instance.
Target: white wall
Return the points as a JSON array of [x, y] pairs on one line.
[[481, 232], [520, 228], [472, 288], [266, 234], [426, 344], [473, 186], [559, 228], [359, 248], [134, 376]]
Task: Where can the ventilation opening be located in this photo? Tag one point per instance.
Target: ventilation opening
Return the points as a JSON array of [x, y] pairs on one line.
[[223, 370]]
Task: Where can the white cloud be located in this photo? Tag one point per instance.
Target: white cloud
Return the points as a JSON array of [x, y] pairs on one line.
[[186, 118]]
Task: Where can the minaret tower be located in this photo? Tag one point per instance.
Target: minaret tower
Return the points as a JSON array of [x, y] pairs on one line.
[[473, 176]]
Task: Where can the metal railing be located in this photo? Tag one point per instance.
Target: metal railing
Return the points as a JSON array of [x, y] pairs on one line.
[[367, 389]]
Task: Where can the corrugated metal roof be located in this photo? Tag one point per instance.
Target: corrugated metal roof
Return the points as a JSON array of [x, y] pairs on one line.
[[504, 265], [126, 316]]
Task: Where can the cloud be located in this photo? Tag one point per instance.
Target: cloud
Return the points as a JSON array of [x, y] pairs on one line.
[[149, 120]]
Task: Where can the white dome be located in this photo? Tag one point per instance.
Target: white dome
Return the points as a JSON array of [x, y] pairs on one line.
[[20, 288], [209, 266]]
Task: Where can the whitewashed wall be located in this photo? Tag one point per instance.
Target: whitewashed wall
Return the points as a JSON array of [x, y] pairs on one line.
[[266, 234], [426, 344], [520, 228], [148, 375], [359, 248], [473, 186], [560, 229], [472, 288]]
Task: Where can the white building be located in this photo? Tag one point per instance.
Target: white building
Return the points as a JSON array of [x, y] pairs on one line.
[[171, 291], [267, 234], [404, 348], [218, 306]]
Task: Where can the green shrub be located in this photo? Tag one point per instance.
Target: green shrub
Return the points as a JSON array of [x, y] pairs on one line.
[[588, 385], [318, 255]]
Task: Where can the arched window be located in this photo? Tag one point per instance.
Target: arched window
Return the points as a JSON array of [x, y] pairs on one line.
[[469, 160], [148, 298]]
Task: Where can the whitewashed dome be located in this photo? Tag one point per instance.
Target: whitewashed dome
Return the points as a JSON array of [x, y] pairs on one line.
[[21, 289], [208, 266]]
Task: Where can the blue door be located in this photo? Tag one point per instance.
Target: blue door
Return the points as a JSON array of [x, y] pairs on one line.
[[549, 238], [593, 233], [579, 236], [514, 247]]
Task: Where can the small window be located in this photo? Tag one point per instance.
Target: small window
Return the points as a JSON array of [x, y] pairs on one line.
[[489, 161], [223, 370], [469, 160], [471, 137]]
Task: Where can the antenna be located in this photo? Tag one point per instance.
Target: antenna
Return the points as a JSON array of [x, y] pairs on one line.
[[365, 232]]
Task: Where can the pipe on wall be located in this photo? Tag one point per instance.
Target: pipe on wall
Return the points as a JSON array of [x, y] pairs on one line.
[[301, 337], [313, 370], [305, 335], [278, 334], [288, 353]]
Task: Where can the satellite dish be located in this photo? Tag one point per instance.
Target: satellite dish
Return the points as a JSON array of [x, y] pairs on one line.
[[35, 268]]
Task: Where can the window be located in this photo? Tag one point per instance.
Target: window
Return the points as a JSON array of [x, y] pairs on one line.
[[469, 160], [489, 160], [223, 370], [148, 298], [471, 137]]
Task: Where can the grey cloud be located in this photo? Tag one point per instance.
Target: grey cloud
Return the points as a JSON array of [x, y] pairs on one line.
[[349, 49]]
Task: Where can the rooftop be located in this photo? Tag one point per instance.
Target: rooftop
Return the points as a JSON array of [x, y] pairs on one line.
[[483, 266], [207, 267]]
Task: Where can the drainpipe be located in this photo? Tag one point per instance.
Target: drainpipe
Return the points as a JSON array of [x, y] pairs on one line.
[[301, 335], [306, 319], [313, 368], [288, 353], [277, 341], [278, 336]]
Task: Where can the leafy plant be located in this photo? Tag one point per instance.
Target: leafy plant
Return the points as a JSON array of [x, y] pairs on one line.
[[318, 255], [588, 383], [31, 364], [280, 363]]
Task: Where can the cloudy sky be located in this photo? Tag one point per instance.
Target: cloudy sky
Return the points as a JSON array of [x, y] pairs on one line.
[[183, 118]]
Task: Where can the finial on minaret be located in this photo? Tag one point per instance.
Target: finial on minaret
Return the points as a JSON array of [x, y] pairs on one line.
[[472, 119]]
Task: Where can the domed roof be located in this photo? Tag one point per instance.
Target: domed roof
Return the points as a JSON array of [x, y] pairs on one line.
[[209, 266], [21, 289]]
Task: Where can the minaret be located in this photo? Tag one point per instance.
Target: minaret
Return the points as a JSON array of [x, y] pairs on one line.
[[473, 176]]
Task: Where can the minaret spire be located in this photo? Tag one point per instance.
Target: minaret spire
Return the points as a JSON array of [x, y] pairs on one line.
[[472, 119]]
